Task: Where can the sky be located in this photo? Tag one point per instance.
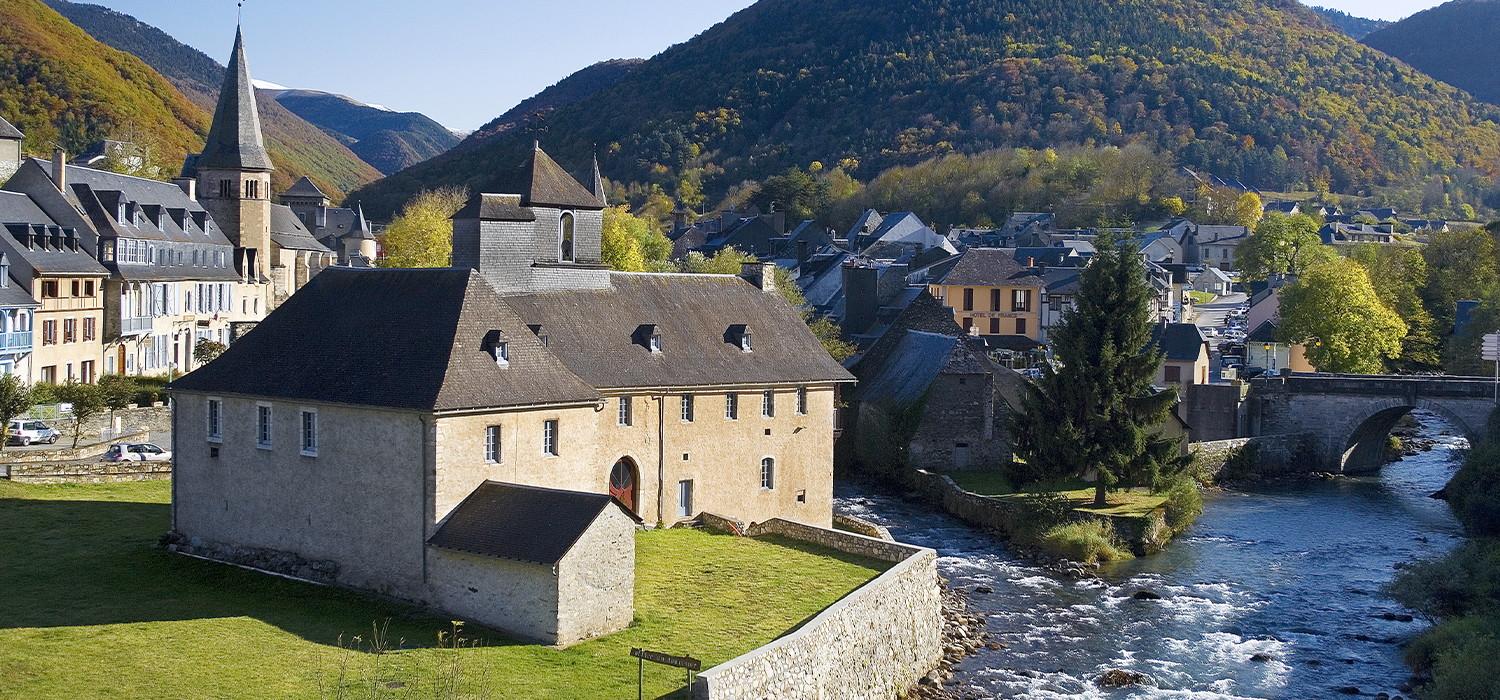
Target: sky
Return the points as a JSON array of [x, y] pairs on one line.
[[464, 62]]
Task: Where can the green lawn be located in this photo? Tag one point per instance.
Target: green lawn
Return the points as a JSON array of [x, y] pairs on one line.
[[1201, 298], [1132, 502], [90, 608]]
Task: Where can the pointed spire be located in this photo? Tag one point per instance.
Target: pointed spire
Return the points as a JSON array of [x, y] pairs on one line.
[[361, 227], [599, 181], [234, 140]]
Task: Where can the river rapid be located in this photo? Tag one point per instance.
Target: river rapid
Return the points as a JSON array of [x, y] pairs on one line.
[[1288, 570]]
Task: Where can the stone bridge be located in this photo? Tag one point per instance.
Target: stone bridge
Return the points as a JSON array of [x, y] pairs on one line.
[[1348, 416]]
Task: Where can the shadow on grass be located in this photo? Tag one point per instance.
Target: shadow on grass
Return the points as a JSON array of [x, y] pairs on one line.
[[82, 563]]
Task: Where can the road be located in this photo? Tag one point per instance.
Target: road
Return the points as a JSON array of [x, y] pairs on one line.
[[1212, 315]]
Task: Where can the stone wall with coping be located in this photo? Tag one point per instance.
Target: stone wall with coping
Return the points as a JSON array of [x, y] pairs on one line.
[[85, 472], [874, 644], [66, 454], [863, 527], [1270, 455]]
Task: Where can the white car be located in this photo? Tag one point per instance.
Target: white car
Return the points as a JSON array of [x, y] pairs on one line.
[[136, 452], [25, 432]]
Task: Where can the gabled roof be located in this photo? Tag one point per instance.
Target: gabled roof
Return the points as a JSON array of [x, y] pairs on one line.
[[415, 339], [304, 187], [542, 182], [98, 193], [1264, 333], [8, 131], [915, 361], [288, 232], [594, 332], [234, 140], [526, 524], [495, 207], [18, 211], [1179, 341], [989, 267]]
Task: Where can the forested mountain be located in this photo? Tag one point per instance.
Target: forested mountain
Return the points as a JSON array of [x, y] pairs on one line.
[[1450, 42], [297, 147], [385, 139], [571, 89], [1355, 27], [1263, 91]]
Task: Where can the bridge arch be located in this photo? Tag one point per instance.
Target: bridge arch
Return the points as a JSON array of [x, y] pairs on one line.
[[1358, 444]]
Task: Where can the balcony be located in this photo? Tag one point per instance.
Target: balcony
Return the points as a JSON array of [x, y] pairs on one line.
[[15, 342], [135, 326]]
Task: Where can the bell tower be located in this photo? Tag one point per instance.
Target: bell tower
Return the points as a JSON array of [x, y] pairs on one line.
[[234, 171]]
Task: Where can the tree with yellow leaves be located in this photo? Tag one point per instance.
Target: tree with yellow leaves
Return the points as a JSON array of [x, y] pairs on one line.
[[422, 235]]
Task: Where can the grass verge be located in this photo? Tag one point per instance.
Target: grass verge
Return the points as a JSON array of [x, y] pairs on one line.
[[94, 609]]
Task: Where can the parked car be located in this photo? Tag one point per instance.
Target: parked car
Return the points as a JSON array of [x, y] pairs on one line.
[[136, 452], [25, 432]]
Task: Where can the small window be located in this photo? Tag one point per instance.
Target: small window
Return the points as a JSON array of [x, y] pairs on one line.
[[994, 326], [549, 438], [624, 417], [263, 426], [1020, 300], [687, 408], [732, 406], [968, 299], [995, 300], [768, 473], [51, 289], [502, 354], [801, 400], [309, 432], [565, 238], [745, 342], [492, 444], [215, 417], [685, 498], [1173, 374], [768, 404], [655, 342], [88, 288], [1020, 326]]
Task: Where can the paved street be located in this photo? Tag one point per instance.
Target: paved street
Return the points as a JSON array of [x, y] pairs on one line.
[[1212, 315]]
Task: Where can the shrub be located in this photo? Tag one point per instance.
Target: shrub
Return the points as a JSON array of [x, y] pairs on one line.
[[1423, 653], [1467, 671], [1474, 492], [1466, 582], [43, 393], [1086, 541], [1184, 503]]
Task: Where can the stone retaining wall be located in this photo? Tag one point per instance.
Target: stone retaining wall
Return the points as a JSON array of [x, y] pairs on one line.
[[89, 452], [863, 527], [1145, 534], [158, 418], [1242, 458], [872, 645], [85, 472]]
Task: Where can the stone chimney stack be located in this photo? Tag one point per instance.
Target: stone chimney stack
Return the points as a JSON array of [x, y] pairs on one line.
[[760, 274], [60, 169]]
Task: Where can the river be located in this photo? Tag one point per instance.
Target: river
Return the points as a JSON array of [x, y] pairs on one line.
[[1289, 570]]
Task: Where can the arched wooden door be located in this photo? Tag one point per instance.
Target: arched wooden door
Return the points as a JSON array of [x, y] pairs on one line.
[[622, 482]]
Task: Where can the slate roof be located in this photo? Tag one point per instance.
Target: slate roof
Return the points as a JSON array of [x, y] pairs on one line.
[[989, 267], [304, 187], [1264, 333], [915, 361], [542, 182], [17, 211], [360, 229], [99, 191], [14, 296], [415, 339], [495, 207], [1179, 341], [526, 524], [594, 332], [8, 131], [288, 232], [234, 140]]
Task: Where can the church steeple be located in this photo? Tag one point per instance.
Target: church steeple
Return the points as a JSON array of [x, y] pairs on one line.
[[234, 140], [599, 181]]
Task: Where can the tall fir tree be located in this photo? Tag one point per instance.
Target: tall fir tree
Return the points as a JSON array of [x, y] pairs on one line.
[[1096, 408]]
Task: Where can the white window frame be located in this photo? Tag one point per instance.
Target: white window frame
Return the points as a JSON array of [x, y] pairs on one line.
[[731, 406], [685, 498], [493, 452], [625, 415], [215, 417], [801, 400], [768, 474], [768, 403], [308, 446], [549, 437], [265, 422], [502, 354], [687, 408]]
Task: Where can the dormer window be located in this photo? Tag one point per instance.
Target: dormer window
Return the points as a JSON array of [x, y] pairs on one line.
[[565, 238], [739, 336], [655, 342], [745, 342], [502, 354]]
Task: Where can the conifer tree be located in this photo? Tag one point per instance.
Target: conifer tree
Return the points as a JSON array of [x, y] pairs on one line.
[[1096, 408]]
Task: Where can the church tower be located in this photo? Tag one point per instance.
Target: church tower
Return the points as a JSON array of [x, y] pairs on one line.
[[234, 171]]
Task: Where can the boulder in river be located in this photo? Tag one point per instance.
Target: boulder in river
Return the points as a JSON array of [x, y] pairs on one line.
[[1262, 657], [1144, 594], [1120, 678]]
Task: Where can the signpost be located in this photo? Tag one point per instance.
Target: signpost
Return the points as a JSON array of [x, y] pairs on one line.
[[1490, 351], [656, 657]]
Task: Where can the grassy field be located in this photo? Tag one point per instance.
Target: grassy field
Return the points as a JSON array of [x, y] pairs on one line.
[[1201, 298], [89, 607], [1132, 502]]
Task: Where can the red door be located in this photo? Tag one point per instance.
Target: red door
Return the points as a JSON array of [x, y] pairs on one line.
[[622, 482]]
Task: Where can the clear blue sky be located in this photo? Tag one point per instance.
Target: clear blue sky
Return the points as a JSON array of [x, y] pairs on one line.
[[463, 62]]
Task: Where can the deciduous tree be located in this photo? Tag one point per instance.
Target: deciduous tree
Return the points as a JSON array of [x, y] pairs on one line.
[[1096, 409], [1334, 311], [15, 399], [1397, 272], [87, 399], [1281, 244], [422, 235]]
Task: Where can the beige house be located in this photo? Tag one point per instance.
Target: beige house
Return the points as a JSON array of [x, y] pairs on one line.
[[1186, 354], [666, 394], [993, 295]]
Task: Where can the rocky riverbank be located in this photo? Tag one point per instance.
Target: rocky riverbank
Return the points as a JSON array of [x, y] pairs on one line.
[[963, 635]]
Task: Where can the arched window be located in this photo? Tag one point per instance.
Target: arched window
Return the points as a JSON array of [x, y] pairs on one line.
[[565, 238], [768, 473]]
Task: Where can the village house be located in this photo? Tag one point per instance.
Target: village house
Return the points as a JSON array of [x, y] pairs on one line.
[[49, 265], [1185, 353], [528, 378], [993, 295]]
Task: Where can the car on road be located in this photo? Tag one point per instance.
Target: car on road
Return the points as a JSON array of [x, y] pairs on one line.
[[26, 432], [136, 452]]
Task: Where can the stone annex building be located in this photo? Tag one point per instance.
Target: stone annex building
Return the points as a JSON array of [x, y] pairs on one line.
[[486, 438]]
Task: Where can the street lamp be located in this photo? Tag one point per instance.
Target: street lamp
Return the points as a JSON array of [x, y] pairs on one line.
[[1270, 359]]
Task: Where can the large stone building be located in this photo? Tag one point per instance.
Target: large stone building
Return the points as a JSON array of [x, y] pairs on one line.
[[993, 295], [529, 365]]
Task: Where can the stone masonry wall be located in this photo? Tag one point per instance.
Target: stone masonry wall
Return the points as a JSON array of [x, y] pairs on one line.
[[85, 472], [872, 645], [1271, 455]]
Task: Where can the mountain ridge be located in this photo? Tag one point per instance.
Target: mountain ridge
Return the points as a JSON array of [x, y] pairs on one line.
[[1440, 41]]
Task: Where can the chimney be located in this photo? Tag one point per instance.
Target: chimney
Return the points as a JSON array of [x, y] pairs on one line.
[[920, 247], [60, 169], [760, 274], [801, 254], [861, 301], [188, 185]]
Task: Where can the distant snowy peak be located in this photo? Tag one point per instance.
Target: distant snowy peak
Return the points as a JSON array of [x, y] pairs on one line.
[[279, 91], [267, 85]]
